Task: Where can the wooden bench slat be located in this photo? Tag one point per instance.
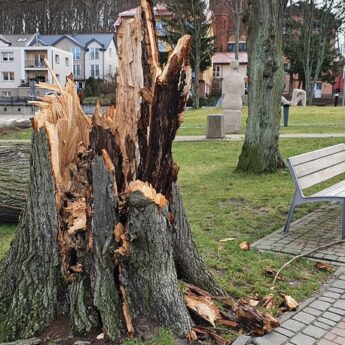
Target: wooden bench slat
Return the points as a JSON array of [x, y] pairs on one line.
[[318, 164], [306, 157], [336, 190], [322, 175]]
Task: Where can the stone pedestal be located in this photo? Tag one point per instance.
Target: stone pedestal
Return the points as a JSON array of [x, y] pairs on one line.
[[215, 127], [232, 121]]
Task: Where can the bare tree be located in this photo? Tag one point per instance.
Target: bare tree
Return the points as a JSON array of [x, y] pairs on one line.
[[237, 9], [310, 30]]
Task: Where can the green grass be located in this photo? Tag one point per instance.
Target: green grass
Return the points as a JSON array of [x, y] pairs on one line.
[[221, 203], [105, 100], [301, 120], [14, 134], [163, 337], [6, 236]]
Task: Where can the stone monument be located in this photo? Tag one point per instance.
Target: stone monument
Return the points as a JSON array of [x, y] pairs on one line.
[[298, 95], [233, 89]]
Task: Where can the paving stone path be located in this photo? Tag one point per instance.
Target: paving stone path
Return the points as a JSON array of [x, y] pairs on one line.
[[319, 320], [319, 227]]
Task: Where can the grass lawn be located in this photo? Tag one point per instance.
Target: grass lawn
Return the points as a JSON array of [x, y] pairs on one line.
[[301, 120]]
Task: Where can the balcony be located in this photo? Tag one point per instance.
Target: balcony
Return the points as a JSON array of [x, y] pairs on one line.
[[35, 64]]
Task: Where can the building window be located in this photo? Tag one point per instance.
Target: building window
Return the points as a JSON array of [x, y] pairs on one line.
[[216, 71], [7, 56], [6, 93], [286, 67], [94, 53], [7, 76], [57, 58], [94, 70], [76, 70], [67, 61], [110, 52], [76, 53], [242, 47]]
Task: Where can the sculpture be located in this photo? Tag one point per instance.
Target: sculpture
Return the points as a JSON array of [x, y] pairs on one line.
[[233, 90], [298, 95]]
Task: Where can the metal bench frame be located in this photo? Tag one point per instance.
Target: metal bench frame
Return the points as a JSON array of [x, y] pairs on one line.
[[299, 198]]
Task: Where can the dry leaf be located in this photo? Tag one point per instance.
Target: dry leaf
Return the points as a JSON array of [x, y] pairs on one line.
[[323, 266], [203, 307], [245, 246], [228, 239], [290, 303]]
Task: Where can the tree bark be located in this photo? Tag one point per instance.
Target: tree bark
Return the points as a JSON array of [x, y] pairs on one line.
[[14, 177], [96, 241], [260, 152]]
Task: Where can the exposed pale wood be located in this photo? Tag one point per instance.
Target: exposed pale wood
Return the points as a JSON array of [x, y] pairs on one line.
[[53, 74], [306, 157]]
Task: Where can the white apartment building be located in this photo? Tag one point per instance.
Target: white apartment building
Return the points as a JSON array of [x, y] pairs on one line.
[[94, 55], [22, 60], [22, 65]]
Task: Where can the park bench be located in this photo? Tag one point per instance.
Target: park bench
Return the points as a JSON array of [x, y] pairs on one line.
[[312, 168]]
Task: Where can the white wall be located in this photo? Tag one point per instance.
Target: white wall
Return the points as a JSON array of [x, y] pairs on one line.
[[110, 59], [11, 66], [60, 69], [89, 62]]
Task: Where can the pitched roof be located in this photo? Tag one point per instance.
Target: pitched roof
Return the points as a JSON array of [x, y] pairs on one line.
[[17, 40], [50, 40], [226, 57], [159, 11]]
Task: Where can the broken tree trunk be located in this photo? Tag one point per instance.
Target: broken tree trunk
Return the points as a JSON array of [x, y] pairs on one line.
[[14, 177], [97, 240]]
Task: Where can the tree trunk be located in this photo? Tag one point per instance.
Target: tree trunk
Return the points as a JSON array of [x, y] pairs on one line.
[[95, 242], [237, 35], [260, 152], [14, 177], [196, 100]]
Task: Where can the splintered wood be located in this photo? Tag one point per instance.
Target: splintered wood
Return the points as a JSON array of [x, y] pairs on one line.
[[132, 147]]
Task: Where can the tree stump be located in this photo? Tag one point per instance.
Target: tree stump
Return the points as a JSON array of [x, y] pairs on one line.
[[104, 237]]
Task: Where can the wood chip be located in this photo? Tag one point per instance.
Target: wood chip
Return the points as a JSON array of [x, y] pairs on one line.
[[257, 322], [228, 239], [210, 332], [100, 336], [203, 307], [290, 303], [245, 246]]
